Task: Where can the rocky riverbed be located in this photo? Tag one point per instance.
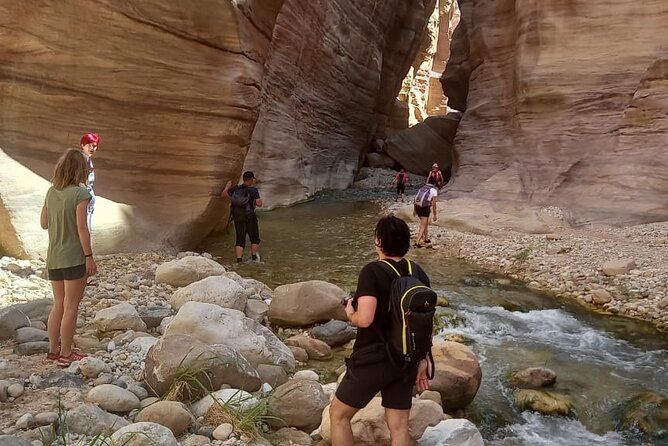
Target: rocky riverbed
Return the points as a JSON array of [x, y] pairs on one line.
[[180, 352]]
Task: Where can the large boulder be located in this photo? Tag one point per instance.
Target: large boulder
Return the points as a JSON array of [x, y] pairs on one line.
[[144, 434], [119, 317], [90, 419], [305, 303], [113, 398], [186, 270], [216, 364], [297, 403], [453, 432], [212, 324], [370, 427], [457, 376], [217, 290]]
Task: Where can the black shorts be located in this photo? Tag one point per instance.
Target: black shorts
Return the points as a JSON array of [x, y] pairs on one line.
[[423, 211], [246, 223], [69, 273], [365, 378], [401, 187]]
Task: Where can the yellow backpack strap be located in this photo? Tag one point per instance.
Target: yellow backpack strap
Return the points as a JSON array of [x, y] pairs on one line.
[[410, 267], [391, 266]]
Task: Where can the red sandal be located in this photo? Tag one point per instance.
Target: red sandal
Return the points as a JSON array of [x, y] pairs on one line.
[[52, 357], [66, 361]]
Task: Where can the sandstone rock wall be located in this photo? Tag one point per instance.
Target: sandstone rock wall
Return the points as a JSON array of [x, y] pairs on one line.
[[567, 105], [175, 90], [333, 71]]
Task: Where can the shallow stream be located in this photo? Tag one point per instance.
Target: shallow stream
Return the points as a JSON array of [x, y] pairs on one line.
[[600, 361]]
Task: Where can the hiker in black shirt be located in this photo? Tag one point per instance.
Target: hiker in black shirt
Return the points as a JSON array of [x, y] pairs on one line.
[[244, 199], [369, 370]]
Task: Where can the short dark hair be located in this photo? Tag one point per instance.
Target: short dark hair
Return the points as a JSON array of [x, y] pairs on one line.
[[248, 175], [393, 235], [431, 180]]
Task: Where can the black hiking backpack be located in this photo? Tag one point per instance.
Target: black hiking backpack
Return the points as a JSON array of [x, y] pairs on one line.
[[241, 197], [412, 306]]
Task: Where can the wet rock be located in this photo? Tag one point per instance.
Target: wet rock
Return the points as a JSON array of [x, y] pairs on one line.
[[548, 403], [184, 271], [113, 398], [334, 333], [223, 431], [618, 267], [144, 434], [306, 303], [647, 411], [216, 290], [272, 374], [297, 403], [30, 334], [458, 374], [216, 325], [534, 378], [174, 353], [459, 432], [171, 414], [119, 317], [91, 420], [315, 348]]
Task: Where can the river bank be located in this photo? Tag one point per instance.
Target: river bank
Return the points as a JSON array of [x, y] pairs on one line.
[[610, 270]]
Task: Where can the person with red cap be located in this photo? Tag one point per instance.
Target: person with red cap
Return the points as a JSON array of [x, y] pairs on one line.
[[89, 144]]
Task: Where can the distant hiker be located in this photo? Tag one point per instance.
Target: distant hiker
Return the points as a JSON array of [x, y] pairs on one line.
[[69, 258], [425, 202], [88, 145], [380, 361], [244, 199], [401, 179], [435, 173]]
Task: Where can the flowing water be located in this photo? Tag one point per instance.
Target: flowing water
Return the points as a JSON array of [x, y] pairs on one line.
[[600, 361]]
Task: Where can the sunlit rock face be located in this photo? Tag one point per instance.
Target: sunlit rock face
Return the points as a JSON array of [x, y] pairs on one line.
[[179, 93], [333, 71], [567, 105]]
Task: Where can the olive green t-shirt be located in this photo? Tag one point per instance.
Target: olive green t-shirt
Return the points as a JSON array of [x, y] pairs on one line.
[[61, 212]]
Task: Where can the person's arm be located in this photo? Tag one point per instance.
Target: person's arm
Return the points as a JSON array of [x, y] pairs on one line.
[[43, 220], [84, 236], [422, 381], [258, 200], [366, 310], [433, 206], [225, 192]]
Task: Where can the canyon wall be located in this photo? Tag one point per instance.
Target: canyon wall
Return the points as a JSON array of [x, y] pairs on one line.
[[180, 92], [567, 105]]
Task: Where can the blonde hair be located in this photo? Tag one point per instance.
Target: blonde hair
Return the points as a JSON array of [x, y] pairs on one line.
[[71, 169]]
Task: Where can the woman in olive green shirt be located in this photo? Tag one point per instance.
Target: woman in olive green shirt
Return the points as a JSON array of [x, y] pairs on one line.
[[69, 258]]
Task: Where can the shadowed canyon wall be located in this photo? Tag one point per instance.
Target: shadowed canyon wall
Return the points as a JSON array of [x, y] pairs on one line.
[[567, 105], [180, 92]]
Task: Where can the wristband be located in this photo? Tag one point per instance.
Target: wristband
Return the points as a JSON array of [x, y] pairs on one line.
[[88, 255]]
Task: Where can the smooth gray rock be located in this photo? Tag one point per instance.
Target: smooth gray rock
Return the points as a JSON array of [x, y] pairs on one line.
[[153, 315], [144, 434], [10, 320], [31, 348], [15, 390], [334, 333], [30, 334], [10, 440], [91, 420], [61, 378], [113, 398]]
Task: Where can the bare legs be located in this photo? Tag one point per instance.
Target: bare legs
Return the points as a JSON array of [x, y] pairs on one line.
[[422, 233], [340, 415], [67, 295], [254, 249], [239, 251]]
